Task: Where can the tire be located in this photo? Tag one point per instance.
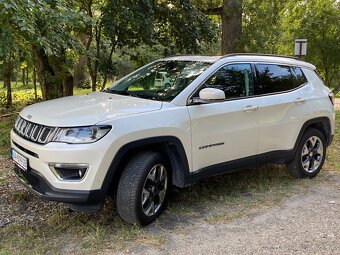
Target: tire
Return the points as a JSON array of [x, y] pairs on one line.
[[143, 188], [310, 155]]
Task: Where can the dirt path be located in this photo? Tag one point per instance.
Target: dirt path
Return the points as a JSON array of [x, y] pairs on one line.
[[303, 224], [337, 104]]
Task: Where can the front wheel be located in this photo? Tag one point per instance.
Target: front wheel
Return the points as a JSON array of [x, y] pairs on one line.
[[310, 155], [143, 187]]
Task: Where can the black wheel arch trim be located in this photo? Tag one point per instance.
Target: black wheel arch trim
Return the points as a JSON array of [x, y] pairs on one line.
[[170, 145], [321, 123]]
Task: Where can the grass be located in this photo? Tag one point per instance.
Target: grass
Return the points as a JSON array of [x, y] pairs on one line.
[[24, 95], [56, 230]]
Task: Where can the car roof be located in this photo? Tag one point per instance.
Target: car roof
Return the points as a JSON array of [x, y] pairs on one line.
[[210, 59], [237, 57]]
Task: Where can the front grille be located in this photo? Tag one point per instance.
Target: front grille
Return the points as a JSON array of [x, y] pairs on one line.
[[32, 131], [26, 150]]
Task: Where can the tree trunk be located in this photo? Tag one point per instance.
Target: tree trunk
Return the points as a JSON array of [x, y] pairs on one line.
[[35, 82], [68, 85], [94, 69], [110, 57], [8, 67], [231, 17], [23, 77], [27, 76], [50, 83], [79, 73]]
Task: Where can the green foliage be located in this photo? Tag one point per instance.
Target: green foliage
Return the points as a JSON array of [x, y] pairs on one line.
[[119, 36], [272, 27], [183, 27], [319, 22], [175, 24], [262, 28], [46, 24]]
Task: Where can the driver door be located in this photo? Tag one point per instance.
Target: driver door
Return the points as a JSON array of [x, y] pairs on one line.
[[227, 130]]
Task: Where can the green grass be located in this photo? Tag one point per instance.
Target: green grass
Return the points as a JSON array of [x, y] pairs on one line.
[[6, 124], [218, 199], [333, 152], [24, 95]]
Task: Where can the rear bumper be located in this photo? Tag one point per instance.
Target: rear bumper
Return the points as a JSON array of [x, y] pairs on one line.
[[82, 200]]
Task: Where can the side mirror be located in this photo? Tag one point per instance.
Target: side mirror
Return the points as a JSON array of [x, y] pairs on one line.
[[209, 94]]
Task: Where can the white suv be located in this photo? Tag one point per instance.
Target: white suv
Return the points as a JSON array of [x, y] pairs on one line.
[[220, 114]]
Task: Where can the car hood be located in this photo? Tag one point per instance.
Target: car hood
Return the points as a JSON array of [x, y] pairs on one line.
[[86, 109]]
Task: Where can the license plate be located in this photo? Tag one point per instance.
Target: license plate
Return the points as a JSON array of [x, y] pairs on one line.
[[19, 160]]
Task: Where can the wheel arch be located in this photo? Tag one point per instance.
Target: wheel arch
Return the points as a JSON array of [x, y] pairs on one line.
[[323, 124], [169, 146]]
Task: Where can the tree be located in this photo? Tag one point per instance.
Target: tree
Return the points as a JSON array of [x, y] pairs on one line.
[[8, 53], [230, 13], [262, 28], [47, 28], [319, 22], [177, 25]]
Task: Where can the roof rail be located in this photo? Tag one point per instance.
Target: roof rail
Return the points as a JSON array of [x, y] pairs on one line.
[[259, 54]]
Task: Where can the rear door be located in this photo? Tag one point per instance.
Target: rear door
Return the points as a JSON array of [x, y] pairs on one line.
[[281, 89]]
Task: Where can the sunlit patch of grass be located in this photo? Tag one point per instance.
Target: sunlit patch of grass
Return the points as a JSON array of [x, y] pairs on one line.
[[6, 125]]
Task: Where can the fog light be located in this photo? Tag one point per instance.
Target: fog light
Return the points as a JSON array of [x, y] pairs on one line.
[[69, 172]]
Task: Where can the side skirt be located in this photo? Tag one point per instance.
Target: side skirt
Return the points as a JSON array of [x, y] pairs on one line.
[[275, 157]]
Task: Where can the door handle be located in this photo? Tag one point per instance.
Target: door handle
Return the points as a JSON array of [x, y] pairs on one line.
[[299, 100], [250, 108]]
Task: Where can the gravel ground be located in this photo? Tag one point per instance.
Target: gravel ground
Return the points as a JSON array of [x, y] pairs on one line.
[[303, 224], [16, 203], [307, 223]]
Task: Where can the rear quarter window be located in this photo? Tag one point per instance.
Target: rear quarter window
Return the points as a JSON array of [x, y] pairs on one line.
[[300, 77]]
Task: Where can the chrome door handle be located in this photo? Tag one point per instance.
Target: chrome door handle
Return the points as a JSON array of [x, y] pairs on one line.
[[299, 100], [250, 108]]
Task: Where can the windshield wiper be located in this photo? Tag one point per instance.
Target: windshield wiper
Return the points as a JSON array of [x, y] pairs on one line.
[[121, 92]]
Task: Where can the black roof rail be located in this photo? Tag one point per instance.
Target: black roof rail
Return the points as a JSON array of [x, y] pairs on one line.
[[259, 54]]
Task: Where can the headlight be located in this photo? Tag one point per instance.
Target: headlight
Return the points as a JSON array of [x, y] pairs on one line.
[[80, 134]]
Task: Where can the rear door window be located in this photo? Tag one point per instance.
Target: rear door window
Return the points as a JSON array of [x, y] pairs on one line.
[[273, 78]]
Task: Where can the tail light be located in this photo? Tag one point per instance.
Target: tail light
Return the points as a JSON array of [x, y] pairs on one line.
[[331, 97]]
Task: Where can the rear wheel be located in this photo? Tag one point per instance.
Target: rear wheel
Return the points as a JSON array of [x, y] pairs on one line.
[[143, 188], [310, 155]]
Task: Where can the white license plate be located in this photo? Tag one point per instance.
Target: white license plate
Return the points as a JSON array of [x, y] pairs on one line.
[[19, 160]]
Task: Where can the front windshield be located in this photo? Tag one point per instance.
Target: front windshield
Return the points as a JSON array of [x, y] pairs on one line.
[[162, 80]]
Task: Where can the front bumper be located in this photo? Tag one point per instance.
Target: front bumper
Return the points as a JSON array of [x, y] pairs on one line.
[[36, 183], [40, 157]]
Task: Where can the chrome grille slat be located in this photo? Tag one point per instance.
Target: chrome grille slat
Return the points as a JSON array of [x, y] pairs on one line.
[[32, 131]]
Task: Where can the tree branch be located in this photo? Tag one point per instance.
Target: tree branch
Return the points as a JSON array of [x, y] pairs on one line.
[[212, 11]]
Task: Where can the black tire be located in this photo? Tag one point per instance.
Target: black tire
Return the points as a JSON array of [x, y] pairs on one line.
[[309, 157], [137, 175]]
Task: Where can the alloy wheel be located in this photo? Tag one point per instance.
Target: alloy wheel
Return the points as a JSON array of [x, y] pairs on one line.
[[312, 154], [154, 190]]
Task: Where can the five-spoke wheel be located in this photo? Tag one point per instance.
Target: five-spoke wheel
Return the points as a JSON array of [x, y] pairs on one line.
[[143, 187], [310, 157], [155, 187]]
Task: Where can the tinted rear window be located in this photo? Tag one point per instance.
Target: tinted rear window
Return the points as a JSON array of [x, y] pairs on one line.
[[274, 78]]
